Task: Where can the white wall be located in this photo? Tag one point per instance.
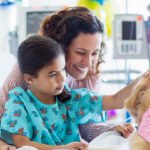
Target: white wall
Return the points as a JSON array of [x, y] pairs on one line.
[[49, 2], [6, 59], [8, 22], [139, 7]]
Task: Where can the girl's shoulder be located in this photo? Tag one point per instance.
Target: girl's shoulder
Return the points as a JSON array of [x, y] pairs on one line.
[[17, 91], [17, 94]]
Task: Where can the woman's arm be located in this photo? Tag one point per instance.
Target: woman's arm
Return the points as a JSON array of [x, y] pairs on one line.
[[116, 101], [14, 79], [20, 140]]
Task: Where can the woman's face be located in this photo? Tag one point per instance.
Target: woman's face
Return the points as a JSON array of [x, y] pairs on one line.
[[82, 54]]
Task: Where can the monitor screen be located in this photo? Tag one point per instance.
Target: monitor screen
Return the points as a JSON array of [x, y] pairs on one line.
[[34, 19], [129, 30]]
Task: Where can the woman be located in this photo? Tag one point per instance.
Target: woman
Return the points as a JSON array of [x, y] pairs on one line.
[[80, 34]]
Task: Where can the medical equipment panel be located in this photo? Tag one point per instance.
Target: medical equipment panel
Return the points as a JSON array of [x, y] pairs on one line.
[[130, 40], [29, 19]]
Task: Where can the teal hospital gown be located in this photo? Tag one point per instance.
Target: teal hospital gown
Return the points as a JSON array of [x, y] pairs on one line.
[[54, 124]]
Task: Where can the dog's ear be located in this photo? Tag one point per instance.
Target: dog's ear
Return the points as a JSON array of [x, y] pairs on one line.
[[134, 99]]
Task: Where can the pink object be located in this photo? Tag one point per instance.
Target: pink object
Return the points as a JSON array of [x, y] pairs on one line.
[[91, 83], [144, 128], [13, 80]]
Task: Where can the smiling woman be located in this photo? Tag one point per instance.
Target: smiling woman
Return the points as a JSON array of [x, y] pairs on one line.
[[80, 34]]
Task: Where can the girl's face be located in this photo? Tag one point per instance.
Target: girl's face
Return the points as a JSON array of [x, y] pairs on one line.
[[50, 80], [83, 53]]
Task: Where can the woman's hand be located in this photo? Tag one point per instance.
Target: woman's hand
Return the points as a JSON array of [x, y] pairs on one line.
[[125, 129], [4, 146], [95, 69], [76, 146]]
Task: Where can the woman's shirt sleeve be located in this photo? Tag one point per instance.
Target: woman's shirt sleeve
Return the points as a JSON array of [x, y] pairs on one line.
[[14, 79]]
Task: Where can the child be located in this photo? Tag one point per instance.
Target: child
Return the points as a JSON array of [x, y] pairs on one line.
[[46, 116]]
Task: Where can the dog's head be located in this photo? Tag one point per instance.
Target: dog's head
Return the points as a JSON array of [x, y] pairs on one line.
[[139, 100]]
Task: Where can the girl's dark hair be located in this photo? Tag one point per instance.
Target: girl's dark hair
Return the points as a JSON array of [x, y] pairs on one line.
[[36, 52], [67, 24]]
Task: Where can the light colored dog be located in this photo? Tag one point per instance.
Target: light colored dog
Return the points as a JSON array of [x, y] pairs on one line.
[[137, 104]]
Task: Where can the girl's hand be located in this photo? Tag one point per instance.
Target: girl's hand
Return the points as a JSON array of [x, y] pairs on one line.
[[4, 146], [76, 145], [125, 129]]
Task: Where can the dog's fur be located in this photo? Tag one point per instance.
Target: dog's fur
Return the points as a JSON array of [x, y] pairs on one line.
[[137, 104]]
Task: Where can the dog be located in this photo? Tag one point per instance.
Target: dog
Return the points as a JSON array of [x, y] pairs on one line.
[[138, 104]]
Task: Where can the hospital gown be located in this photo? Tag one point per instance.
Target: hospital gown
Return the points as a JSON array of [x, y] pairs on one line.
[[54, 124]]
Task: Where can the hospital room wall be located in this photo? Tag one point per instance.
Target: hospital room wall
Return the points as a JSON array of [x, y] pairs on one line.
[[8, 23]]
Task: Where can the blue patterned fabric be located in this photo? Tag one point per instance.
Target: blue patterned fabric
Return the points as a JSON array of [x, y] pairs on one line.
[[54, 124]]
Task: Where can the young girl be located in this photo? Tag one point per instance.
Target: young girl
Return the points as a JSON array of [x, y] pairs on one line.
[[37, 117], [46, 116]]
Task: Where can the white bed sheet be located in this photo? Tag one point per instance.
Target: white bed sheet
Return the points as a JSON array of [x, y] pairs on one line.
[[110, 140]]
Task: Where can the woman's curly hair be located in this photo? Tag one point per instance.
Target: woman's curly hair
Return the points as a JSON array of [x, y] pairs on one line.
[[67, 24]]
